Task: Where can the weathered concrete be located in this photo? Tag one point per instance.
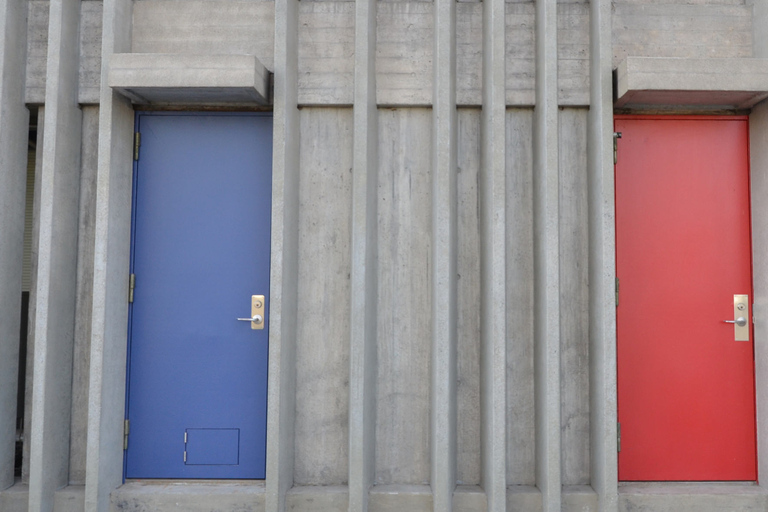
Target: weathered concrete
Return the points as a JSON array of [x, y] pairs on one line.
[[396, 498], [443, 405], [89, 49], [493, 258], [758, 135], [581, 498], [681, 29], [469, 498], [322, 347], [318, 499], [692, 497], [69, 499], [84, 296], [363, 272], [602, 263], [524, 497], [468, 300], [284, 265], [404, 327], [520, 417], [106, 392], [15, 499], [546, 261], [709, 83], [187, 496], [56, 284], [14, 119], [574, 297], [190, 79]]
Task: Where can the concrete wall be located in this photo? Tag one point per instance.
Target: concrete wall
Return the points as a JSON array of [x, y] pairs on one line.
[[509, 234]]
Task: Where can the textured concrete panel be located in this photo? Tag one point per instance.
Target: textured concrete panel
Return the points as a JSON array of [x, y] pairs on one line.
[[84, 296], [469, 498], [326, 52], [520, 69], [690, 30], [322, 351], [520, 403], [404, 48], [574, 297], [468, 269], [524, 497], [573, 53], [90, 51], [69, 499], [404, 316], [579, 498], [188, 497], [205, 27], [15, 499]]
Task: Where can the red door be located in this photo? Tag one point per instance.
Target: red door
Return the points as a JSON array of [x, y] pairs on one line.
[[686, 386]]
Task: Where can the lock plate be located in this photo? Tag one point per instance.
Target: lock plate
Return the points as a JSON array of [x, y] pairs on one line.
[[741, 310], [257, 311]]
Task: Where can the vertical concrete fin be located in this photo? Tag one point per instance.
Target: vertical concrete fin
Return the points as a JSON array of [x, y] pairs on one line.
[[363, 287], [57, 260], [106, 391], [546, 251], [284, 269], [493, 257], [444, 257], [602, 264], [14, 124]]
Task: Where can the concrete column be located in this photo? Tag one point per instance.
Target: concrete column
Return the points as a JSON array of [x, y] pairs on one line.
[[57, 260], [14, 124], [284, 271], [602, 262], [546, 258], [444, 258], [492, 193], [363, 286], [106, 390]]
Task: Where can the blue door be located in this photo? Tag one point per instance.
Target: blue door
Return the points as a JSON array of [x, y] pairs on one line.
[[197, 377]]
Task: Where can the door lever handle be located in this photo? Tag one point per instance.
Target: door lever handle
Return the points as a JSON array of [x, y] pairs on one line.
[[741, 321], [257, 319]]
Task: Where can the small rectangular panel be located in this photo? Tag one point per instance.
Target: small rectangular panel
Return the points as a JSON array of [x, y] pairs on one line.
[[257, 311], [212, 446], [741, 310]]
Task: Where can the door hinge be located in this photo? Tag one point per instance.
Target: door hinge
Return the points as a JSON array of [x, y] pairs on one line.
[[131, 286], [185, 447], [616, 137], [136, 145], [617, 292], [618, 437], [126, 431]]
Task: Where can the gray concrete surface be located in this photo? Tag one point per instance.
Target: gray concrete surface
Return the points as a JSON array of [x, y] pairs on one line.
[[56, 283], [190, 79], [14, 122], [188, 497]]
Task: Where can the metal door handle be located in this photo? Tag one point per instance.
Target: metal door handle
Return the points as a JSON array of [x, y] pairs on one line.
[[257, 319], [741, 321]]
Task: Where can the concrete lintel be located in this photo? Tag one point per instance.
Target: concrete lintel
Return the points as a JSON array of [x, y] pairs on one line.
[[692, 497], [711, 83], [190, 496], [190, 79]]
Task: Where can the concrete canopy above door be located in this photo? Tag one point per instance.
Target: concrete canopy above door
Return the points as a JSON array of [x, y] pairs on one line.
[[229, 80], [698, 84]]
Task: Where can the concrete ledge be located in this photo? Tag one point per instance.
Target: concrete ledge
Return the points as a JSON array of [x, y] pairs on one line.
[[69, 499], [318, 499], [524, 497], [692, 497], [149, 78], [190, 496], [15, 499], [698, 83], [397, 498], [579, 497], [469, 498]]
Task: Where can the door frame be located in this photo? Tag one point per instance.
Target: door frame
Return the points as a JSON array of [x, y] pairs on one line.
[[753, 254]]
